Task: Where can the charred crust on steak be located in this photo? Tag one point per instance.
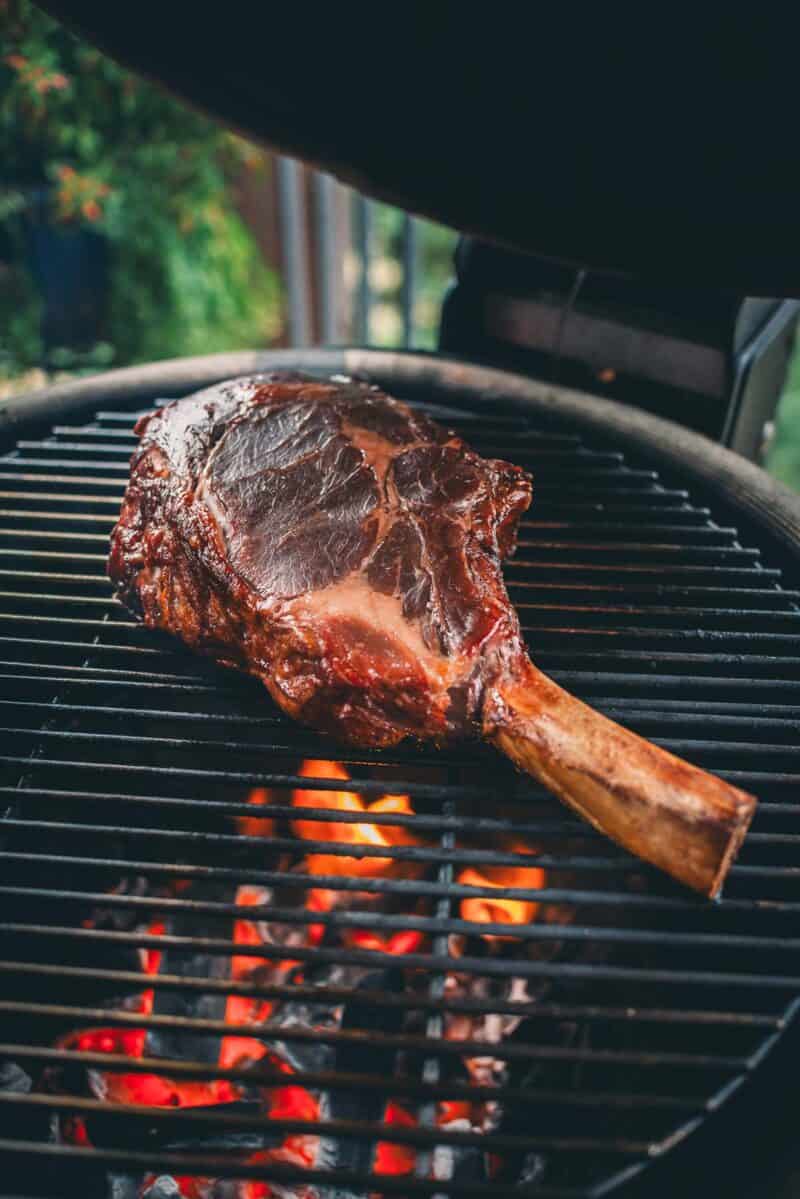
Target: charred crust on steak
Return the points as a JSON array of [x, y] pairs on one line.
[[330, 540]]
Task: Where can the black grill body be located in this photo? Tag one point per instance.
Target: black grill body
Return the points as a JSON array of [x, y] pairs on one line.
[[656, 577], [713, 361]]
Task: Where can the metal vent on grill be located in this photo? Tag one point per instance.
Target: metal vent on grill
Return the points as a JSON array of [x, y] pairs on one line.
[[156, 878]]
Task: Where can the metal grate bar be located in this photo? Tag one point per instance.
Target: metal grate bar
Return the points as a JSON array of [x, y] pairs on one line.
[[528, 1097], [220, 1166], [537, 1010], [659, 977], [422, 1136], [436, 926], [558, 821], [575, 896], [657, 716], [748, 778], [113, 1017], [742, 752]]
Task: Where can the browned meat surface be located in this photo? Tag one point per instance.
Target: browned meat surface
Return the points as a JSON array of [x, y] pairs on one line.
[[347, 551], [331, 541]]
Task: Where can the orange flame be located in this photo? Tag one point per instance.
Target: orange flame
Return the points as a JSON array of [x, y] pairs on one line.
[[256, 826], [408, 941], [376, 835], [497, 909], [245, 1009]]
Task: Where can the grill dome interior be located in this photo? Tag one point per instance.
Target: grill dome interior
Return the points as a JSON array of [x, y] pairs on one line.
[[631, 1009]]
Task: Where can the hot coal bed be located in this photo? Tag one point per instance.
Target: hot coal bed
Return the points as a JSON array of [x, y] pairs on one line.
[[288, 1020], [238, 960]]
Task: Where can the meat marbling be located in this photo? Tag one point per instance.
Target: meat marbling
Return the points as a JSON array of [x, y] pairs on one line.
[[347, 551]]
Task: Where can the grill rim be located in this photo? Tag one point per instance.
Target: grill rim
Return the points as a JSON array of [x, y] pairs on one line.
[[747, 492]]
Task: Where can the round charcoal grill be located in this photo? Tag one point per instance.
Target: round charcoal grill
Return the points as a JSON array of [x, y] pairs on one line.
[[148, 803]]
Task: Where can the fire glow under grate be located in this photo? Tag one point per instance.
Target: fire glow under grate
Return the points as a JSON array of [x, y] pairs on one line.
[[233, 950]]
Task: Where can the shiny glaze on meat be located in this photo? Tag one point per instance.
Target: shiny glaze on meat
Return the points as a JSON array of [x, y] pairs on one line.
[[332, 541]]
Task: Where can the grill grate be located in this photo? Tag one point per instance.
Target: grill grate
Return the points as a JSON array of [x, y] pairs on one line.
[[638, 1008]]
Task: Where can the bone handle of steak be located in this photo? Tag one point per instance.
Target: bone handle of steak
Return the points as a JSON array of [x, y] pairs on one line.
[[680, 818]]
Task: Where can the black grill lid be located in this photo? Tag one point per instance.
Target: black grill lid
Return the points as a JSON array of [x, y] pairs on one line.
[[617, 142]]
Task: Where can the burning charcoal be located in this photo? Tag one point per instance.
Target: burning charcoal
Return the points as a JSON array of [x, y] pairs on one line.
[[164, 1187], [369, 1058], [122, 1186], [175, 1043], [462, 1163], [115, 955], [27, 1123], [495, 907], [316, 1055], [122, 919], [491, 1027], [320, 1015], [459, 1163], [104, 1130], [265, 931], [265, 1024], [251, 1147], [13, 1079], [534, 1168]]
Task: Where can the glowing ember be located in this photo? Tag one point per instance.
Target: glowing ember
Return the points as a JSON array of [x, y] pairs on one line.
[[287, 1101], [155, 1090], [253, 1033], [124, 1042], [379, 836], [151, 958], [498, 909], [152, 1090], [410, 941], [392, 1158], [188, 1188], [246, 932]]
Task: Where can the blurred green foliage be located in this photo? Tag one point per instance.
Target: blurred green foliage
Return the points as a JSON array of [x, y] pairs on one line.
[[783, 457], [122, 158], [434, 269]]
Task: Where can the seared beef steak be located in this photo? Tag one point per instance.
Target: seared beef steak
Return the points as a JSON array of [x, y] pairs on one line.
[[331, 541], [347, 551]]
